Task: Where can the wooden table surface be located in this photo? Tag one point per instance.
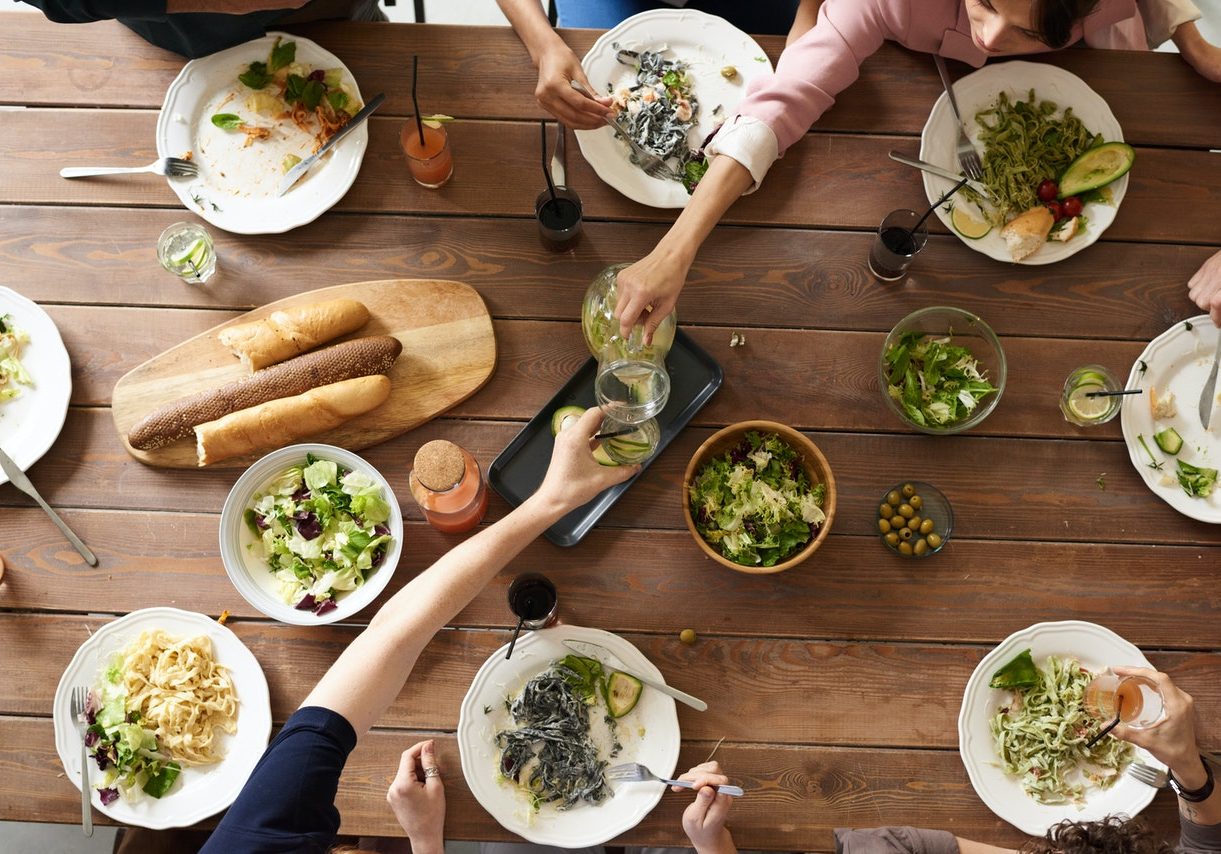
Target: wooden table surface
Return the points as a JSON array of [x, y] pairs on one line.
[[835, 686]]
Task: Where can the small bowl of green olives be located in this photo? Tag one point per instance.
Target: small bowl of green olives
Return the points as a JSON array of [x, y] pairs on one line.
[[915, 519]]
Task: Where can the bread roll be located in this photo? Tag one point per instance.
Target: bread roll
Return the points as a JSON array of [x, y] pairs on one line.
[[291, 331], [359, 358], [1027, 231], [286, 420]]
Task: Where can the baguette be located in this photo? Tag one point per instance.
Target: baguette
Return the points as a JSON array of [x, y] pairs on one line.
[[291, 331], [1028, 231], [362, 357], [283, 421]]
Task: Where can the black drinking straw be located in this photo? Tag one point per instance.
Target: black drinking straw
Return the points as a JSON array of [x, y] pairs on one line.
[[542, 127], [415, 102], [516, 632], [938, 204], [1108, 727]]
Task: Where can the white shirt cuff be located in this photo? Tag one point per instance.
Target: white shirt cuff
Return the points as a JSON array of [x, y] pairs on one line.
[[748, 141]]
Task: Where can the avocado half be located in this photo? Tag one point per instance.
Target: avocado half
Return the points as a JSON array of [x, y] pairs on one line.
[[1096, 168]]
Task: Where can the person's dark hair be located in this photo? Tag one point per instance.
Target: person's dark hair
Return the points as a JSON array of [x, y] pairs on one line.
[[1112, 835], [1055, 19]]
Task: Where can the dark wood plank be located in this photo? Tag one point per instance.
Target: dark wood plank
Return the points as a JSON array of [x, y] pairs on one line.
[[832, 180], [484, 72], [745, 276], [975, 591], [797, 795]]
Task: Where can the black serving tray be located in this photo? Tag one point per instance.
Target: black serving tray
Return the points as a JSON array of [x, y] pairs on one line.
[[517, 472]]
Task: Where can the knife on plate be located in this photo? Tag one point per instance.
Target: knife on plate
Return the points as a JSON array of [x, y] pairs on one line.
[[1210, 386], [19, 480], [293, 175], [601, 653], [925, 166]]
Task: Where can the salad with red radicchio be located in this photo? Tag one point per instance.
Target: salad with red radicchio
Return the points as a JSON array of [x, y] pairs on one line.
[[322, 530]]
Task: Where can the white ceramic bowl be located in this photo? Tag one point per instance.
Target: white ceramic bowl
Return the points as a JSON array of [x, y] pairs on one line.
[[246, 567]]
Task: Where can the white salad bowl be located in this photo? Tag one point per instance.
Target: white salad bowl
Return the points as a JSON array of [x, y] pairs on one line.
[[241, 550]]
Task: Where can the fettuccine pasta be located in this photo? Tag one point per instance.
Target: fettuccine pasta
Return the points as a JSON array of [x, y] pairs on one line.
[[181, 693]]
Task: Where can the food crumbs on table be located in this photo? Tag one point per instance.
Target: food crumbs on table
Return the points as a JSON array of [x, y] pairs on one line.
[[1102, 481], [715, 748], [687, 636], [224, 617], [737, 339]]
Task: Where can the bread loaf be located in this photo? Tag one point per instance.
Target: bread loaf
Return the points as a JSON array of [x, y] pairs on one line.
[[1028, 231], [359, 358], [281, 422], [291, 331]]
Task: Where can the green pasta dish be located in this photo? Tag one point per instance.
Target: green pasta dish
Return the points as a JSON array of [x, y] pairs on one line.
[[1041, 733]]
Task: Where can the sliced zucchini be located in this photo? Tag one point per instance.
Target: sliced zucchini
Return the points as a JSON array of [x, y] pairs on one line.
[[622, 693], [1169, 440], [565, 416]]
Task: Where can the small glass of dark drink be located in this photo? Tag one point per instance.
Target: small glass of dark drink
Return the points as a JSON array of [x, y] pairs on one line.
[[896, 245], [559, 219], [533, 600]]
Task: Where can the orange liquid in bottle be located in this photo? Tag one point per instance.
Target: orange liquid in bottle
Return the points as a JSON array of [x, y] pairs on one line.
[[432, 163], [459, 508]]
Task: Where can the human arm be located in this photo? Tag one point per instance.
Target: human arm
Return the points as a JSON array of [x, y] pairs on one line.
[[417, 797], [803, 20], [704, 818], [370, 672], [557, 67], [1200, 55], [1204, 287], [77, 12], [229, 7]]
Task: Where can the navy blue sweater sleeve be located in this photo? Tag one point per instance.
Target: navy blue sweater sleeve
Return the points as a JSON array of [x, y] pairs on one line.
[[288, 804]]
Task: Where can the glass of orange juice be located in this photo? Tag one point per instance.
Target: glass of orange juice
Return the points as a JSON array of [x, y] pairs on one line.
[[431, 162], [1136, 700]]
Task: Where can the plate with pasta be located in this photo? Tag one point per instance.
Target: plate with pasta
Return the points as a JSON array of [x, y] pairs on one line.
[[178, 715], [1024, 749]]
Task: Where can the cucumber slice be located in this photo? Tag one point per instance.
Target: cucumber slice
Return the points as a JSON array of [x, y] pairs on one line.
[[622, 693], [1169, 440], [1096, 168], [602, 457], [565, 416]]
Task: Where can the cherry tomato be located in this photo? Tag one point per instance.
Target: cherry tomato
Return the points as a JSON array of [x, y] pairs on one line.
[[1057, 210], [1072, 206], [1048, 191]]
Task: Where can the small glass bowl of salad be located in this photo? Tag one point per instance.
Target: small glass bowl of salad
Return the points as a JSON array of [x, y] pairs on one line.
[[311, 534]]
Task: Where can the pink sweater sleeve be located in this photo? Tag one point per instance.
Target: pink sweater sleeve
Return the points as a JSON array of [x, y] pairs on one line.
[[821, 64]]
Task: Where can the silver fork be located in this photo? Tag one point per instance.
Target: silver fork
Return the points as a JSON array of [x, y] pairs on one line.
[[80, 697], [968, 157], [174, 167], [1148, 775], [634, 772], [649, 163]]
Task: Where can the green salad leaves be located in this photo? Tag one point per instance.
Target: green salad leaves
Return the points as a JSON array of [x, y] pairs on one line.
[[935, 381], [754, 503], [1197, 481]]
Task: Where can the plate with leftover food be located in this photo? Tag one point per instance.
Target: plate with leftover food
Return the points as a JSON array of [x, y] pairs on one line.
[[536, 732], [246, 116], [35, 380], [178, 717], [1023, 745], [1055, 163], [675, 75], [1167, 441]]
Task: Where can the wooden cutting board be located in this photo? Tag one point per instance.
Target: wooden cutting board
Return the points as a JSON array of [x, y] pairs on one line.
[[449, 352]]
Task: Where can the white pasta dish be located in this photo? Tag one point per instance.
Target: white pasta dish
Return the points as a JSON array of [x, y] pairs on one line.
[[155, 710]]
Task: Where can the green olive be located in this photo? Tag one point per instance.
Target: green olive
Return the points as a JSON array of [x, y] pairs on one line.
[[916, 501], [892, 539], [906, 511], [883, 526], [687, 636], [914, 523], [908, 490], [893, 498], [934, 541], [921, 547], [906, 534], [886, 511], [906, 549], [926, 527]]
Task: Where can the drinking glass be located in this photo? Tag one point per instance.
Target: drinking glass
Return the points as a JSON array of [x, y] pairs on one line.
[[896, 245], [559, 219], [1137, 699], [431, 162], [533, 600], [185, 249], [632, 384], [636, 442], [1086, 411]]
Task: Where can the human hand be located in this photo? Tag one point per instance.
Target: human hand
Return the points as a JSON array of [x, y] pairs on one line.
[[558, 66], [1173, 739], [417, 797], [1204, 288], [648, 290], [573, 475], [704, 819]]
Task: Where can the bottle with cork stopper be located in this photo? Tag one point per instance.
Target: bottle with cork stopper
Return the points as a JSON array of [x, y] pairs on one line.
[[447, 484]]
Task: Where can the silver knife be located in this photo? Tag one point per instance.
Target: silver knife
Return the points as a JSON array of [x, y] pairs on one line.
[[294, 174], [937, 170], [19, 480], [1206, 399], [559, 174], [601, 653]]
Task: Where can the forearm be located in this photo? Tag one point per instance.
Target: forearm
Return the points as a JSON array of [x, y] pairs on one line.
[[532, 27], [723, 184], [1199, 54], [724, 844], [803, 20], [1190, 773]]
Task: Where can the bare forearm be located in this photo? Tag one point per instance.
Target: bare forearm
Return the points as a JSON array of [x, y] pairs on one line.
[[806, 17], [723, 184], [1200, 55], [531, 26], [1191, 775]]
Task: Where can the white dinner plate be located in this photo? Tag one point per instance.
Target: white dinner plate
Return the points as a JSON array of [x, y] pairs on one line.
[[30, 423], [236, 187], [649, 734], [1177, 362], [1097, 648], [200, 791], [705, 41], [979, 91]]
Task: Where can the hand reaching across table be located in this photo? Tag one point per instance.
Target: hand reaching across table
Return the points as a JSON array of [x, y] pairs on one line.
[[704, 818], [1204, 288], [417, 797]]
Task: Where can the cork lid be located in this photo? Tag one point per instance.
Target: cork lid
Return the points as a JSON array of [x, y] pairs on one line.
[[439, 465]]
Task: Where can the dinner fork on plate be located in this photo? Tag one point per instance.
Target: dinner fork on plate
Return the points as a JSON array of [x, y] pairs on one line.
[[1148, 775], [968, 157], [174, 167], [634, 772], [649, 163], [80, 698]]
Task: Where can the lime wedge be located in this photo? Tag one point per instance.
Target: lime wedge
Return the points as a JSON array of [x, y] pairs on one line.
[[961, 217], [1089, 408], [194, 256]]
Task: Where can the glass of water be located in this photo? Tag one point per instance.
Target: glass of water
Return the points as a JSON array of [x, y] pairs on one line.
[[186, 250]]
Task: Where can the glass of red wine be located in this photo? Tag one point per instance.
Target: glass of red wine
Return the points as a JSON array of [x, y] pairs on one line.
[[533, 600], [900, 238]]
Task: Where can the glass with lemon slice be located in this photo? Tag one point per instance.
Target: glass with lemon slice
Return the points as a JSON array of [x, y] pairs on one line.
[[426, 147], [185, 249], [1079, 407]]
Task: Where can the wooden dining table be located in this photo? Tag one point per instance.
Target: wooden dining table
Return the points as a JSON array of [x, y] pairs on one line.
[[833, 688]]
